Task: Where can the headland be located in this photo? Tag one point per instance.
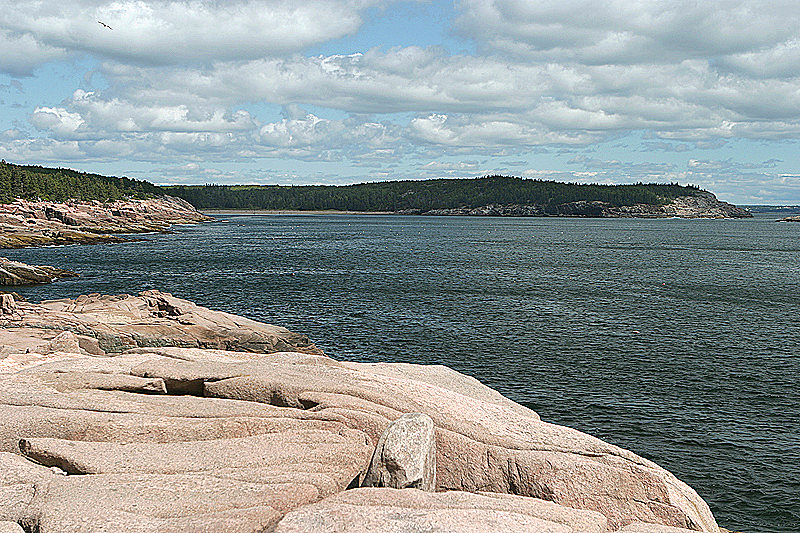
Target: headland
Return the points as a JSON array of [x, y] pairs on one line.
[[151, 414]]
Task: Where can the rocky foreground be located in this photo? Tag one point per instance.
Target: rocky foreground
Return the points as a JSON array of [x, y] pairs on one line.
[[36, 223], [133, 414], [702, 205]]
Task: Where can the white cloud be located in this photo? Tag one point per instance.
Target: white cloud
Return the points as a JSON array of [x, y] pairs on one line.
[[58, 120], [627, 32], [172, 32], [20, 53]]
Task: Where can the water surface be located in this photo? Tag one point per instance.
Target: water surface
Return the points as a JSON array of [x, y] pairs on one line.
[[677, 339]]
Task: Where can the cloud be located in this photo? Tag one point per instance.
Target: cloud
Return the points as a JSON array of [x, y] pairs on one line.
[[186, 81], [171, 32], [58, 120], [87, 115], [21, 52], [624, 33]]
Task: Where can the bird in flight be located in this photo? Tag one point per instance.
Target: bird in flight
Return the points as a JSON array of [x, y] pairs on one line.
[[105, 25]]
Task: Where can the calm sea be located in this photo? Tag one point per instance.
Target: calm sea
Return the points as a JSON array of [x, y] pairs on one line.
[[677, 339]]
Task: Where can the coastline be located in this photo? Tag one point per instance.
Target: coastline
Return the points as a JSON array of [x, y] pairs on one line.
[[225, 212], [27, 223], [280, 435], [699, 206]]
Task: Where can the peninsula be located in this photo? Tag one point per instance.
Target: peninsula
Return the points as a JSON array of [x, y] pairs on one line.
[[58, 206], [487, 196]]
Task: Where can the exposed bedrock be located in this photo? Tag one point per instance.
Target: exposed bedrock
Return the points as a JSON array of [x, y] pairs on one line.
[[701, 205], [35, 223], [97, 325], [14, 273], [194, 440]]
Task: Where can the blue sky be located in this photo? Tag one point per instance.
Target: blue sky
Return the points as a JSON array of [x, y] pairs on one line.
[[346, 91]]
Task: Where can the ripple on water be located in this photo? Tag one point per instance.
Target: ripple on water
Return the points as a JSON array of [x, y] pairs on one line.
[[676, 339]]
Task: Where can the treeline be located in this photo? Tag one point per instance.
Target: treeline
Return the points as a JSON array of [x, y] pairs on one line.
[[423, 195], [60, 184]]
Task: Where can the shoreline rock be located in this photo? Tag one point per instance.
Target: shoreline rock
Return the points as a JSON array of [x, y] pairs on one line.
[[25, 223], [163, 438], [102, 325], [14, 273], [703, 205]]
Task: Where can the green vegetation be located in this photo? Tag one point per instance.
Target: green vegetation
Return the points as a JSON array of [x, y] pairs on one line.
[[423, 195], [59, 184]]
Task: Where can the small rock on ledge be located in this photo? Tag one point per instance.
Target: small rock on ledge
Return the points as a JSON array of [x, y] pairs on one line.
[[405, 456]]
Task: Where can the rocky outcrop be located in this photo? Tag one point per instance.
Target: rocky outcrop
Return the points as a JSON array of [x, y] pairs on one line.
[[793, 218], [160, 439], [36, 223], [14, 273], [702, 205], [100, 325], [390, 511]]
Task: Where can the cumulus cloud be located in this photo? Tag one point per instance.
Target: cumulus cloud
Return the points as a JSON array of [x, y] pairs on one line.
[[88, 116], [184, 80], [172, 32], [523, 103], [22, 52], [624, 32]]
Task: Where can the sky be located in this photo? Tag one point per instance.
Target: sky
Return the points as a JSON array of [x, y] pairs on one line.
[[348, 91]]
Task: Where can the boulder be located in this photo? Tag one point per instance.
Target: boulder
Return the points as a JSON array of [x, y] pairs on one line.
[[7, 304], [405, 456]]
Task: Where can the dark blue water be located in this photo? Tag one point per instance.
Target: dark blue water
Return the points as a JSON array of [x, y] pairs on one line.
[[677, 339]]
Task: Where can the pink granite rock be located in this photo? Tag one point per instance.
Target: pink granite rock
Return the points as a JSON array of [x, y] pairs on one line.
[[395, 511], [15, 273], [36, 223], [170, 438], [100, 324]]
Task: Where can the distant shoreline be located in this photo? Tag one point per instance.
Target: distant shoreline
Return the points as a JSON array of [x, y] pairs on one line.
[[223, 212]]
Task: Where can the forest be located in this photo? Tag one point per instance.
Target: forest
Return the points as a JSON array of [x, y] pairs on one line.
[[423, 195], [60, 184]]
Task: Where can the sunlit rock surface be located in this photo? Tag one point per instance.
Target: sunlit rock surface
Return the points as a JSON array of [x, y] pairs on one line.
[[14, 273], [35, 223], [191, 439]]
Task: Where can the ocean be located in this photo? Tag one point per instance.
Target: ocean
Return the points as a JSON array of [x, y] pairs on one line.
[[676, 339]]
